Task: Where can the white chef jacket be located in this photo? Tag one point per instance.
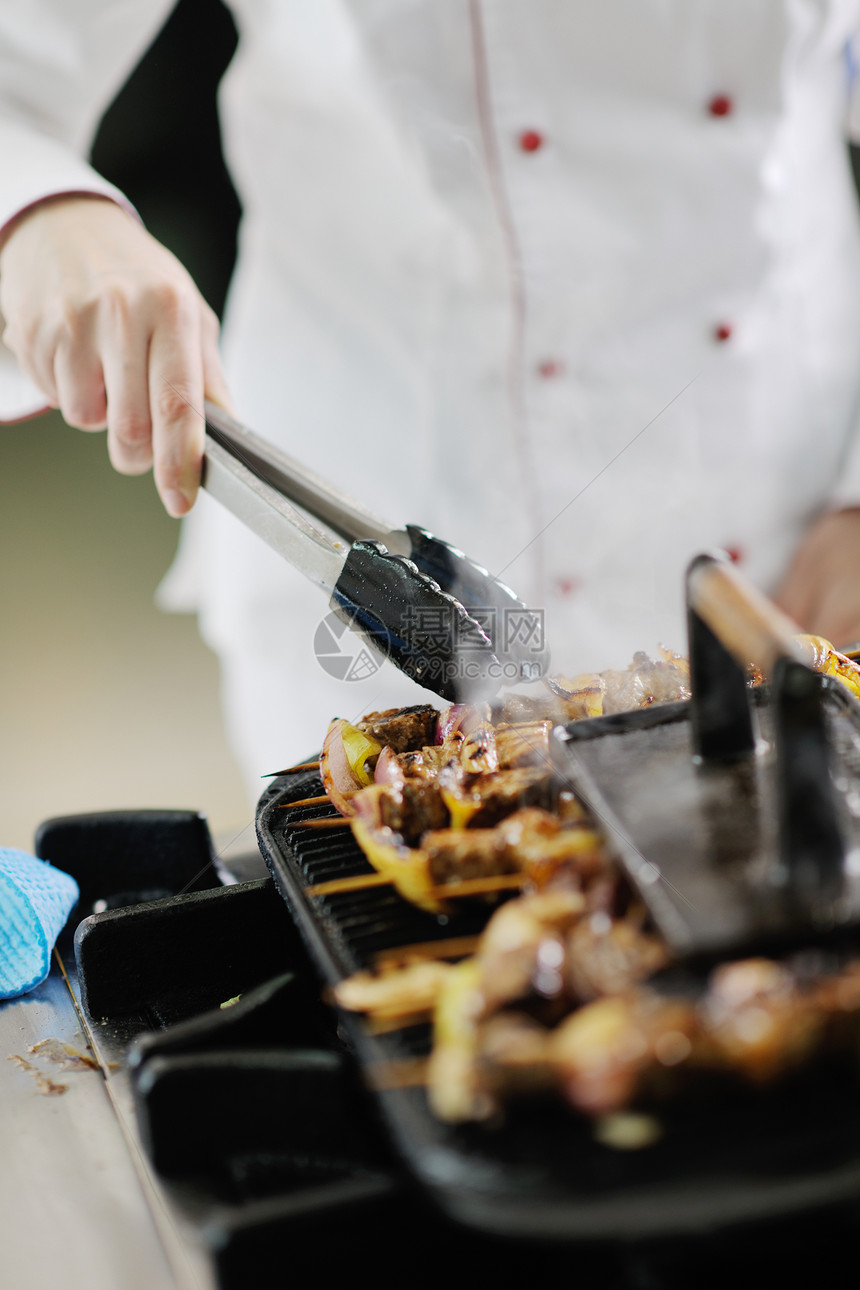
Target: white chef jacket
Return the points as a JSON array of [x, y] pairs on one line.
[[575, 285]]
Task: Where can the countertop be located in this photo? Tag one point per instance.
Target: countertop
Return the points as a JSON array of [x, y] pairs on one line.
[[80, 1206]]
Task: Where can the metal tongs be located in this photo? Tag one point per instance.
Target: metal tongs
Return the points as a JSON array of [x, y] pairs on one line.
[[445, 621]]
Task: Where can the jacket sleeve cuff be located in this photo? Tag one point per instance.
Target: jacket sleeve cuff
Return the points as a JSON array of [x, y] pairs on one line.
[[38, 166]]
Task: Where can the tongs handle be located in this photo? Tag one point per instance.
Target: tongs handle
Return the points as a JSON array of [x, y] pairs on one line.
[[296, 481], [411, 584], [398, 609]]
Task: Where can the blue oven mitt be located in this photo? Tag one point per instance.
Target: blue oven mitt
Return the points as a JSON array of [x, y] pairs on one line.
[[35, 901]]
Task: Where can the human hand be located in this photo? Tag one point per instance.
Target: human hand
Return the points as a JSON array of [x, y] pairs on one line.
[[112, 329], [821, 590]]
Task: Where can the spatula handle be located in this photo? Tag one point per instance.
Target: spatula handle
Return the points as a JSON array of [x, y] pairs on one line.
[[732, 625], [743, 619]]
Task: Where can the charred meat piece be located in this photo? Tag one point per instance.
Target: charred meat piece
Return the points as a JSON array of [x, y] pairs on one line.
[[523, 745], [489, 798], [403, 729], [530, 841], [606, 956], [539, 955], [418, 764], [413, 810], [514, 1056], [604, 1052], [547, 846], [466, 755], [409, 809], [755, 1021], [478, 754], [524, 939], [562, 950], [460, 1079], [457, 854]]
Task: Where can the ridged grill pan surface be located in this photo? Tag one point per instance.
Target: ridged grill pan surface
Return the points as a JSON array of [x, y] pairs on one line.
[[540, 1174]]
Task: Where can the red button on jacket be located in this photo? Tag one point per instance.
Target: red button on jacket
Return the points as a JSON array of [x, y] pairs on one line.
[[721, 105], [531, 140]]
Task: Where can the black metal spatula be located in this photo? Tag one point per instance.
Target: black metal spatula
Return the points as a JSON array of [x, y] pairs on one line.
[[736, 814]]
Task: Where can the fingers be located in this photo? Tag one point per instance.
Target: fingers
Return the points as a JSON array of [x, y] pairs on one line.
[[123, 344], [144, 370], [155, 409], [79, 382], [129, 424], [114, 332], [184, 371], [176, 398]]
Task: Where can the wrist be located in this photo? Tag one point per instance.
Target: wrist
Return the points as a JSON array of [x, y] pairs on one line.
[[54, 203]]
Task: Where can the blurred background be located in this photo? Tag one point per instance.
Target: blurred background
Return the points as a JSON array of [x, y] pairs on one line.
[[106, 702]]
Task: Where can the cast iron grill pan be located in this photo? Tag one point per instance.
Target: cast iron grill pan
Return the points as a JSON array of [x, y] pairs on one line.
[[731, 1158]]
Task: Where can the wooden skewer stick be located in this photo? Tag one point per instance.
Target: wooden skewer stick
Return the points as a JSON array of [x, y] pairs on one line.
[[357, 883], [477, 886], [302, 765], [304, 801], [454, 947], [384, 1025], [314, 801], [409, 1072], [336, 822]]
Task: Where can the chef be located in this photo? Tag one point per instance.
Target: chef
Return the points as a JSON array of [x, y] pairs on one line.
[[576, 286]]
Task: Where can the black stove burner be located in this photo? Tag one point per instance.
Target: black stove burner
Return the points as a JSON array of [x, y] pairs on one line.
[[254, 1115]]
